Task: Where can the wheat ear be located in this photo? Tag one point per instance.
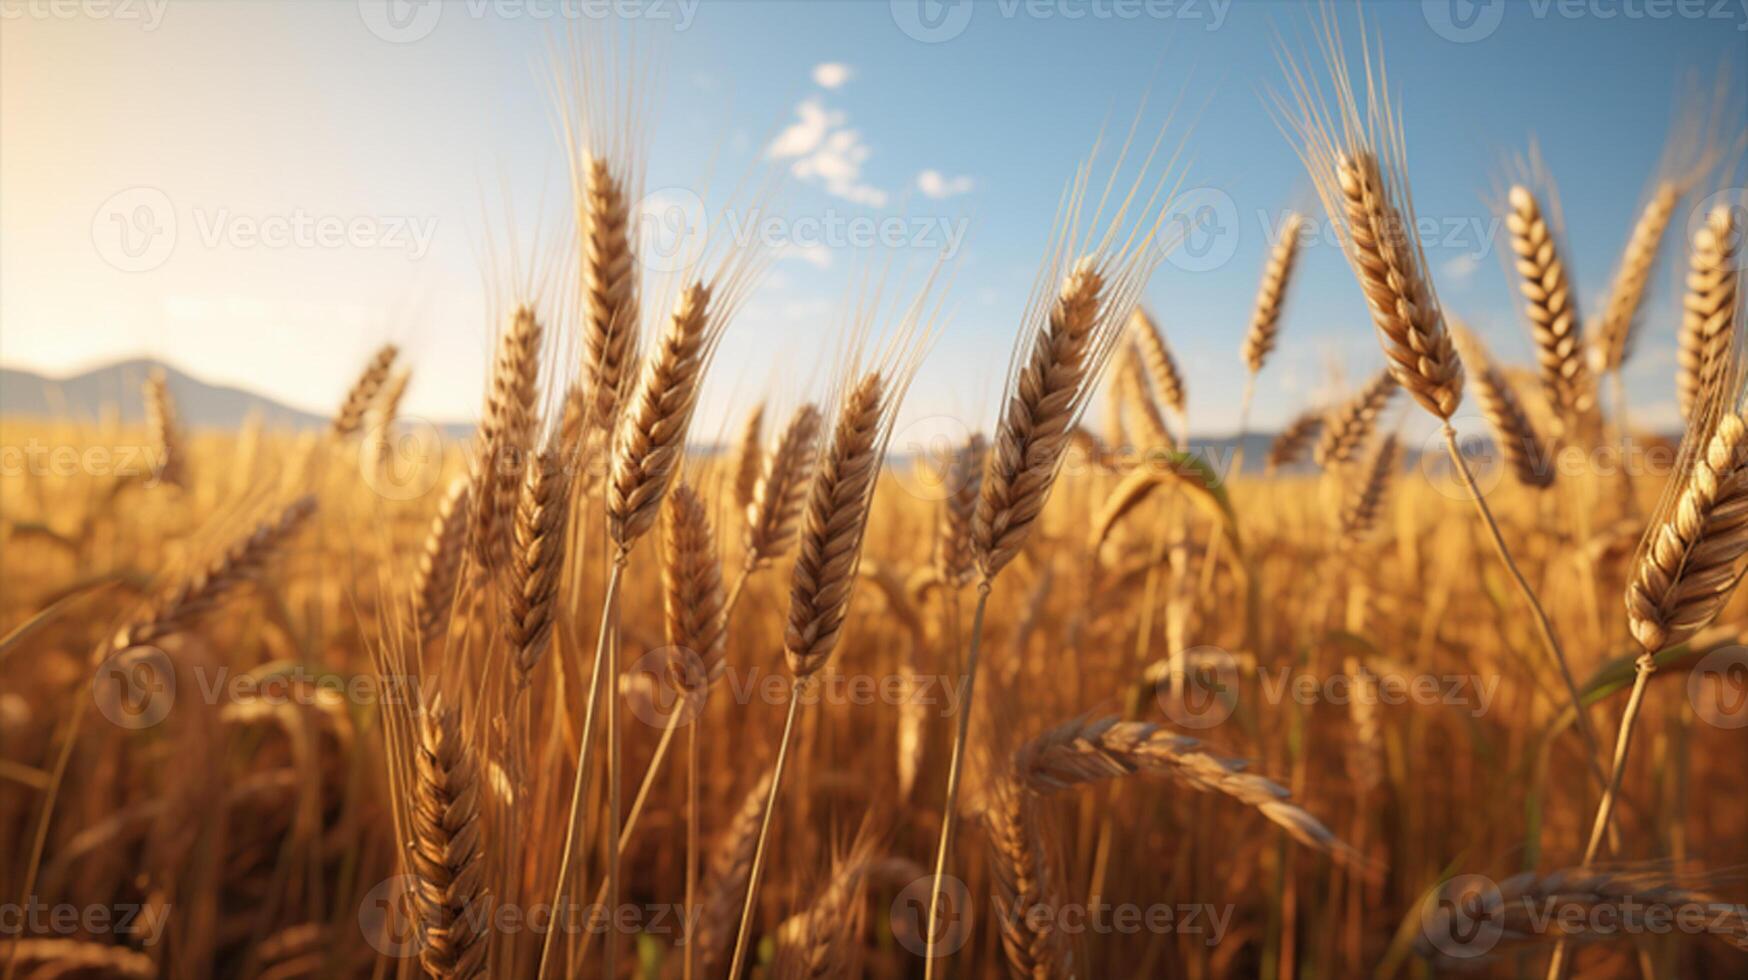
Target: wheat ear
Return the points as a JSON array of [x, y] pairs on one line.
[[1292, 443], [1513, 432], [1162, 369], [823, 942], [1708, 309], [363, 392], [536, 559], [448, 858], [1271, 295], [774, 512], [1552, 310], [953, 559], [195, 596], [506, 431], [439, 567], [1620, 314], [1347, 428], [610, 300], [749, 457], [1359, 514], [165, 434], [651, 438], [1129, 380], [1027, 890], [731, 866]]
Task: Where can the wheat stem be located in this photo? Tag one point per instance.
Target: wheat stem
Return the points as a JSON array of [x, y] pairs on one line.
[[955, 766], [738, 964]]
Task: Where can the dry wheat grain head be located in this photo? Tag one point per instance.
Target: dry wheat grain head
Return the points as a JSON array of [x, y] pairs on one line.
[[1365, 501], [1708, 308], [363, 392], [953, 559], [447, 848], [439, 567], [1347, 428], [1294, 440], [840, 497], [692, 592], [1357, 159], [1162, 371], [1271, 295], [536, 559], [1085, 292], [774, 512], [166, 435], [1513, 432], [1688, 561], [749, 457], [1550, 304]]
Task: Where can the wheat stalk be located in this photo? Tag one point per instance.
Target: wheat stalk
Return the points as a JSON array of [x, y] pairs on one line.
[[447, 854], [824, 942], [731, 866], [1708, 309]]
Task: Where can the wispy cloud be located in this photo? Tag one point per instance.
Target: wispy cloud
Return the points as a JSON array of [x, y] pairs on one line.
[[1460, 269], [831, 74], [933, 184], [825, 149]]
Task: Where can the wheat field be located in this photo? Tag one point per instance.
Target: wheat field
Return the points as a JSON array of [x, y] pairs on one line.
[[581, 694]]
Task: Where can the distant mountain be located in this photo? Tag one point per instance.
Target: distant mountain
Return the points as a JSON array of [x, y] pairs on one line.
[[116, 388]]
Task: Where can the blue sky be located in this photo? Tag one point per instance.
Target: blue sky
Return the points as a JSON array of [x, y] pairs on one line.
[[242, 113]]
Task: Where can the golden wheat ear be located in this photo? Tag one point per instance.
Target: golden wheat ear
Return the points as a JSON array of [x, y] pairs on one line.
[[165, 433], [1357, 159], [1709, 318], [1513, 432], [363, 392], [1550, 305]]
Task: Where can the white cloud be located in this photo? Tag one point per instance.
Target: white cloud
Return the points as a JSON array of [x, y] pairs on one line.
[[1460, 269], [813, 253], [933, 184], [826, 151], [831, 74]]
